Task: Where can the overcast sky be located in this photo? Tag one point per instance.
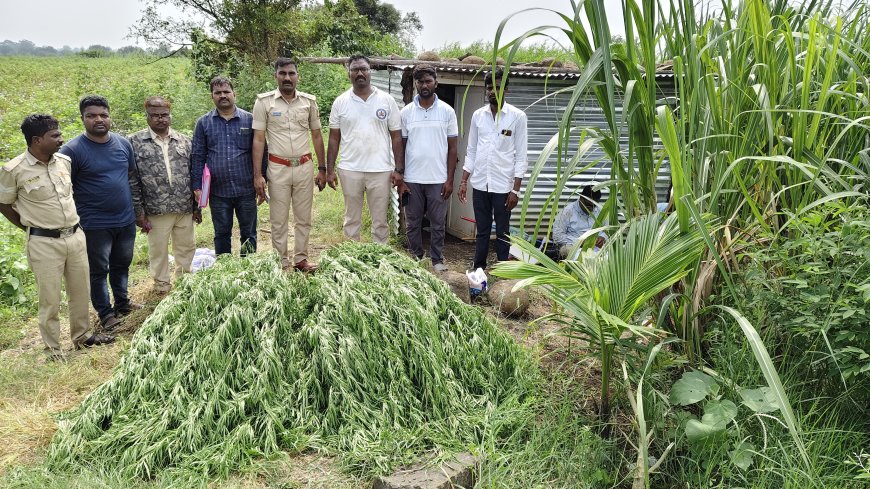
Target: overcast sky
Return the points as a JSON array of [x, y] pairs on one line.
[[81, 23]]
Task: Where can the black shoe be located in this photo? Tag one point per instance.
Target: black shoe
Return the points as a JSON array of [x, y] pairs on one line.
[[127, 308], [110, 322], [96, 339]]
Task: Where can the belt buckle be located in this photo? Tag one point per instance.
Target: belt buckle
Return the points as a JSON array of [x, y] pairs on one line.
[[67, 232]]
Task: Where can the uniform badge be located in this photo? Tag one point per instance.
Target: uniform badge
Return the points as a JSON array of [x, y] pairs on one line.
[[276, 114], [381, 114]]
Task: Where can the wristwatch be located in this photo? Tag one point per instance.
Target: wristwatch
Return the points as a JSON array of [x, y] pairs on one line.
[[515, 192]]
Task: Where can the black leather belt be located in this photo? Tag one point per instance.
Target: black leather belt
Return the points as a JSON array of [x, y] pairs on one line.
[[54, 233]]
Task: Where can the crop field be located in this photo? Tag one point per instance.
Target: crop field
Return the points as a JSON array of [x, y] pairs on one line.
[[55, 85]]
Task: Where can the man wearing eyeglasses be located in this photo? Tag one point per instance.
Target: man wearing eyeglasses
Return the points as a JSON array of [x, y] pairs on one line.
[[162, 199], [365, 126]]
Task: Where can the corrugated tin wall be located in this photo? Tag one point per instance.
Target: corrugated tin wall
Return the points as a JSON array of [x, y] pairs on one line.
[[544, 109], [391, 83]]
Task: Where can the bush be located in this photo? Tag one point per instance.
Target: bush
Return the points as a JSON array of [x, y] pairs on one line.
[[811, 291], [17, 288]]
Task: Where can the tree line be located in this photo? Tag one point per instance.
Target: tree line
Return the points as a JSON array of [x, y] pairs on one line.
[[26, 47]]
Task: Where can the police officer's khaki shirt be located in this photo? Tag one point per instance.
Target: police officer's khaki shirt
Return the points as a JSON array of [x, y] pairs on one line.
[[42, 193], [288, 126]]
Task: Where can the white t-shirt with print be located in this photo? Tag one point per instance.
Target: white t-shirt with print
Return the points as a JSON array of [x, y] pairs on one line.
[[365, 130]]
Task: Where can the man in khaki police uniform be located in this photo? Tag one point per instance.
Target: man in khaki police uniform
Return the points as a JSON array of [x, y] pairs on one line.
[[162, 199], [289, 121], [38, 183]]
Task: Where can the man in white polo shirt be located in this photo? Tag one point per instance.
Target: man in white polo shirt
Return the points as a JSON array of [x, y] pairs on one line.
[[430, 132], [364, 124], [495, 164]]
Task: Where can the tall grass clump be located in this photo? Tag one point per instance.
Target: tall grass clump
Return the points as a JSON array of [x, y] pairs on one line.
[[372, 358], [770, 115]]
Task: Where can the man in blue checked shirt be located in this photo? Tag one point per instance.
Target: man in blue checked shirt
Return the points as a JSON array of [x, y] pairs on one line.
[[222, 140]]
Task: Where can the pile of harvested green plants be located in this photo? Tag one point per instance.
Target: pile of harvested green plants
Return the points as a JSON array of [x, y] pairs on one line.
[[372, 358]]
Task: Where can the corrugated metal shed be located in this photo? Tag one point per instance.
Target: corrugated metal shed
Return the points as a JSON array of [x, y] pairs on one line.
[[534, 92]]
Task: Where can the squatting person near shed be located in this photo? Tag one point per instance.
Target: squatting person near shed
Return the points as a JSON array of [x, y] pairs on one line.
[[365, 125], [289, 121], [101, 166], [162, 199], [430, 131], [38, 183], [222, 139], [495, 166]]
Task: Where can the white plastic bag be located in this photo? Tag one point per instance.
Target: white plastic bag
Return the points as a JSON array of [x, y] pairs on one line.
[[476, 282], [202, 259]]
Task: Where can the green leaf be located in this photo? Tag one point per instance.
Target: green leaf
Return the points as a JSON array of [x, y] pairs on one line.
[[699, 431], [693, 387], [761, 400], [742, 455], [719, 413]]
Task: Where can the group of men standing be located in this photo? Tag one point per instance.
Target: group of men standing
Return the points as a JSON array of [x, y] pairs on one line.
[[80, 206]]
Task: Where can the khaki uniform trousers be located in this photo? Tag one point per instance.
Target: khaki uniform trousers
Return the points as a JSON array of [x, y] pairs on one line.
[[375, 188], [54, 259], [290, 186], [178, 227]]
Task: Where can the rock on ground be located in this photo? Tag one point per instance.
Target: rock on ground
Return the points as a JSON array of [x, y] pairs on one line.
[[458, 283], [510, 303], [456, 474]]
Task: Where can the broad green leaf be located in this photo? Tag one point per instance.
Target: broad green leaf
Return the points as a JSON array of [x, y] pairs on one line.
[[693, 387], [742, 455], [761, 400], [719, 413], [698, 431]]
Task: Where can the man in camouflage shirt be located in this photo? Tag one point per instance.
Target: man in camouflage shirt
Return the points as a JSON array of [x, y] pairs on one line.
[[162, 199]]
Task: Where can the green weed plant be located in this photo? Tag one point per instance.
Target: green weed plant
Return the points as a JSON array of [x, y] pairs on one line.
[[372, 358]]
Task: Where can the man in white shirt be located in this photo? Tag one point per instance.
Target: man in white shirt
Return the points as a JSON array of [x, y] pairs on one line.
[[429, 131], [365, 125], [576, 219], [495, 165]]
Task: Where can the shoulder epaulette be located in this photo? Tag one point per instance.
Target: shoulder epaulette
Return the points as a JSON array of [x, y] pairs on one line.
[[11, 164], [306, 95]]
